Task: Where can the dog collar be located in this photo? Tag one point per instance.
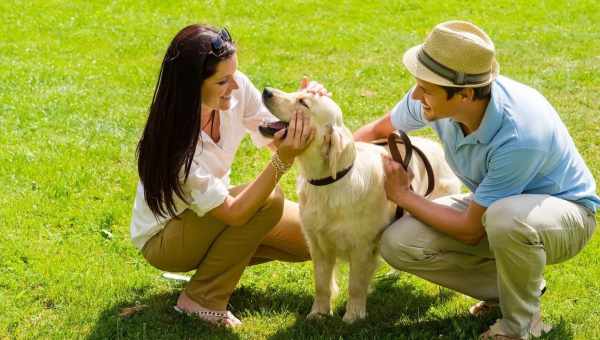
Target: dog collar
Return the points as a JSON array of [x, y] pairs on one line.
[[328, 180]]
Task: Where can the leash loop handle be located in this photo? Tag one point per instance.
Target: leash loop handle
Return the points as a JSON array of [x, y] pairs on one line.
[[400, 137]]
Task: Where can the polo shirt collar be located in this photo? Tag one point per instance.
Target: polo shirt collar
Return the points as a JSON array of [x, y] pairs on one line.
[[491, 122], [492, 118]]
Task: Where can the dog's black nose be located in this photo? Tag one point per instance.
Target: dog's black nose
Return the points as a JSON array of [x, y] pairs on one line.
[[267, 93]]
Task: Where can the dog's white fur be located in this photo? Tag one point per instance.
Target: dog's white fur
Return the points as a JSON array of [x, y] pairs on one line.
[[345, 219]]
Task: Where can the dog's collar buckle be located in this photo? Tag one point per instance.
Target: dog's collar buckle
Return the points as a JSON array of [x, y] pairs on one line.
[[329, 180]]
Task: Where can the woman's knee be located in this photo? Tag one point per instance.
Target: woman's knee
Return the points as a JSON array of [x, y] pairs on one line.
[[275, 201], [272, 209]]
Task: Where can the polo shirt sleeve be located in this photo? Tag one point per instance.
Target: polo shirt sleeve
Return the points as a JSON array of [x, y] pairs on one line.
[[509, 172], [254, 112], [207, 191], [407, 115]]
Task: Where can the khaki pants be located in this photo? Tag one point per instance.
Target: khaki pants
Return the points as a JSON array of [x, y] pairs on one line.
[[524, 233], [219, 253]]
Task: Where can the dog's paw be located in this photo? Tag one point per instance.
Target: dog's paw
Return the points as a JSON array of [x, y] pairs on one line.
[[350, 317], [318, 311], [314, 316]]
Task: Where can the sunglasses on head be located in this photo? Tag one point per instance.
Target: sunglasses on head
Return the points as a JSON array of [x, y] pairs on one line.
[[217, 43]]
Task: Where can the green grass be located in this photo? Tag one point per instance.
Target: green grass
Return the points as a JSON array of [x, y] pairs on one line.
[[76, 79]]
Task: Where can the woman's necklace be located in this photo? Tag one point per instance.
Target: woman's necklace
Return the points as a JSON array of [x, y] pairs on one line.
[[213, 120]]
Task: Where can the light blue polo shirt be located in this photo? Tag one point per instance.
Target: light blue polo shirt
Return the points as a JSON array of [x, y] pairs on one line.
[[521, 147]]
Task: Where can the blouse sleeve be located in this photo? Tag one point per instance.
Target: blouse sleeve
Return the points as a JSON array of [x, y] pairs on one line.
[[207, 191]]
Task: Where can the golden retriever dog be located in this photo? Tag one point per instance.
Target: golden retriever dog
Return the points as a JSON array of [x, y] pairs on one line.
[[345, 218]]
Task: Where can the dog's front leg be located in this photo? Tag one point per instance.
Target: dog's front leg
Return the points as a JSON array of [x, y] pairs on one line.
[[362, 266], [324, 282]]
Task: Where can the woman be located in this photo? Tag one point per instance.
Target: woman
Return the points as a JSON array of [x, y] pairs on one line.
[[185, 216]]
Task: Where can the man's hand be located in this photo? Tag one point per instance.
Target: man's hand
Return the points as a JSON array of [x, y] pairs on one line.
[[465, 226], [397, 180]]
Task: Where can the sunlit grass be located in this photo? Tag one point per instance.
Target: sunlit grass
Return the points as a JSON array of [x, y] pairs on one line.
[[76, 81]]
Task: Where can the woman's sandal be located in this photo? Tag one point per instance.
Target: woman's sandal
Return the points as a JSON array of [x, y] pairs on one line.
[[224, 318]]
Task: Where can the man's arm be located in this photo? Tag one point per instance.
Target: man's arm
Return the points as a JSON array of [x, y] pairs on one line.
[[380, 128], [465, 226]]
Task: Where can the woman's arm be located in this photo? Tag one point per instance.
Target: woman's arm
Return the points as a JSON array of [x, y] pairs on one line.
[[239, 210]]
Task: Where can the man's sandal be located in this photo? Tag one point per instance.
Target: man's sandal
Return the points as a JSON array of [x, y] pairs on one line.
[[491, 335], [222, 318], [482, 308], [537, 329]]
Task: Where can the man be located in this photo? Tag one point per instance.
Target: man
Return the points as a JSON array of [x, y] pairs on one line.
[[533, 198]]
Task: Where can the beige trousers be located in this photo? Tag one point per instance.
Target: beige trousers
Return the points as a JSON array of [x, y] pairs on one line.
[[524, 233], [219, 253]]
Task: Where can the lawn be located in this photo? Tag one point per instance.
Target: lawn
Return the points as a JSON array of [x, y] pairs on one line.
[[76, 79]]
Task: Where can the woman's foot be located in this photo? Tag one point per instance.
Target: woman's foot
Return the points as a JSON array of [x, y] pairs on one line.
[[216, 317]]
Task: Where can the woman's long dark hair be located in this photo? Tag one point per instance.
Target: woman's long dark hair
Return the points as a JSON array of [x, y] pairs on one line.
[[171, 133]]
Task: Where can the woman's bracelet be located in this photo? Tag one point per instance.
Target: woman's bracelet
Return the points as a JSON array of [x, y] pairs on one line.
[[280, 166]]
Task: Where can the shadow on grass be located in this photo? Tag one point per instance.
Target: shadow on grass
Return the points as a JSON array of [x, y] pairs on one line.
[[159, 321], [396, 311], [156, 321]]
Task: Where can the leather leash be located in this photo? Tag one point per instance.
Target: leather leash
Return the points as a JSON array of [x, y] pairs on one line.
[[400, 137]]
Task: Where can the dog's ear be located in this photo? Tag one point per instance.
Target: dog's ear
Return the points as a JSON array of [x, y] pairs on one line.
[[326, 145], [334, 143]]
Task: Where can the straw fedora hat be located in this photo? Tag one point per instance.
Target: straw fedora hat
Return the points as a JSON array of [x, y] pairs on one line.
[[455, 54]]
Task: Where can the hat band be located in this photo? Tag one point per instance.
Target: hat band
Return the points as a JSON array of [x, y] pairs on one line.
[[458, 78]]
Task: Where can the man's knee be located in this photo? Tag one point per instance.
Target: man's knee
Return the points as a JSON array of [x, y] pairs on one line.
[[400, 245], [503, 223]]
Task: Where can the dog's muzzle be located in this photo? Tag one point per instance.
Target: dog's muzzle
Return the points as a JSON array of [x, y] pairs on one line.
[[268, 129]]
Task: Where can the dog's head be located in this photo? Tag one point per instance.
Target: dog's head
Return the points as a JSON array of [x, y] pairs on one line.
[[332, 136], [322, 109]]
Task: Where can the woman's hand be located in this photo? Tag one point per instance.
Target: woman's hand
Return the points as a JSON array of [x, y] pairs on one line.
[[299, 135], [313, 87], [397, 180]]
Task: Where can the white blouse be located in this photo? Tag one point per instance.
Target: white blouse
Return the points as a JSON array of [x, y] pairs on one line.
[[207, 185]]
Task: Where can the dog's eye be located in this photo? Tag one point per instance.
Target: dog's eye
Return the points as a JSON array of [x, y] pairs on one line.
[[303, 103]]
